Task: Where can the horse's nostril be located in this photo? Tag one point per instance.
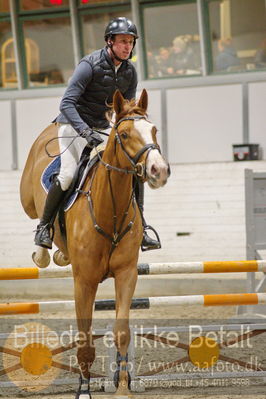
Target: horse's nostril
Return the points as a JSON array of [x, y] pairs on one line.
[[155, 171]]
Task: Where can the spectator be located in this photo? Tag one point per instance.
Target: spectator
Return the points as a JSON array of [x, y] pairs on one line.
[[163, 63], [182, 56], [227, 56]]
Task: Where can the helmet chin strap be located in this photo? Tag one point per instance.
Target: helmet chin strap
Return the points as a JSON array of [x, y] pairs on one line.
[[114, 54], [110, 46]]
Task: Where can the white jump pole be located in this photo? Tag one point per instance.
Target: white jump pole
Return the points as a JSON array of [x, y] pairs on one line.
[[19, 273], [137, 303]]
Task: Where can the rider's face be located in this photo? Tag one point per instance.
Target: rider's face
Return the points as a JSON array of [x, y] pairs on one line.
[[123, 45]]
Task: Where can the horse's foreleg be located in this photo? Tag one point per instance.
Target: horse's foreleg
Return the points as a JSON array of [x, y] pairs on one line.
[[41, 257], [84, 298], [125, 283]]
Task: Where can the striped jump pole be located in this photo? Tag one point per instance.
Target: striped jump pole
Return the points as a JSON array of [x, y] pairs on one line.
[[203, 267], [137, 303], [20, 273]]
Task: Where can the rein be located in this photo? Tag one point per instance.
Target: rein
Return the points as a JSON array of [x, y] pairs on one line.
[[118, 233], [138, 170], [72, 141]]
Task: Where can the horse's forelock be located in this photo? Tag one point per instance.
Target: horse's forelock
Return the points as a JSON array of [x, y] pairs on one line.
[[130, 108]]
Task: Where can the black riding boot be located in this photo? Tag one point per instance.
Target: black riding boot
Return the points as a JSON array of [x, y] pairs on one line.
[[147, 242], [43, 236]]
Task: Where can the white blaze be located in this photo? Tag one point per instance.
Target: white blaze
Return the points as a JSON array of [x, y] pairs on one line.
[[145, 130], [155, 160]]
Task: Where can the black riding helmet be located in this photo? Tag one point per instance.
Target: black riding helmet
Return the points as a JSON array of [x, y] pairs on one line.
[[120, 26]]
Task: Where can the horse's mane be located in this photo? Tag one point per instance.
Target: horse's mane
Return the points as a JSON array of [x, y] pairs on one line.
[[130, 108]]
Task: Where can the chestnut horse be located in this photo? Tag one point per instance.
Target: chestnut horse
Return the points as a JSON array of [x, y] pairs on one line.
[[104, 226]]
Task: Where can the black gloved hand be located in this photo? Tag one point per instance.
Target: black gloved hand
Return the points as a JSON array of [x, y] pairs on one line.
[[93, 138]]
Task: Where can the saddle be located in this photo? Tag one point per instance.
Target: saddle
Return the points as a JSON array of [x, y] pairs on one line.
[[84, 166]]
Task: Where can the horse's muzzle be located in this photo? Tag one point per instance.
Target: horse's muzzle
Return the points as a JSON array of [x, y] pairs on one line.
[[158, 174]]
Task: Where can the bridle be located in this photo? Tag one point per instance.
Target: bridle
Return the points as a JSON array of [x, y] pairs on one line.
[[138, 170]]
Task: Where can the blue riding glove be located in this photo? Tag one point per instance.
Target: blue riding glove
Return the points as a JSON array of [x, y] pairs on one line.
[[93, 138]]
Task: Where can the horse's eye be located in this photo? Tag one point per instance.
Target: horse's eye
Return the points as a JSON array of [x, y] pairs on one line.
[[124, 135]]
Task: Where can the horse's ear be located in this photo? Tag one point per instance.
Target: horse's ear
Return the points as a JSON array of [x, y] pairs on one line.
[[143, 101], [118, 102]]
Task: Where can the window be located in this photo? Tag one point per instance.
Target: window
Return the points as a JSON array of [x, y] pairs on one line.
[[171, 36], [8, 78], [89, 2], [49, 56], [238, 35], [27, 5], [94, 26], [4, 6]]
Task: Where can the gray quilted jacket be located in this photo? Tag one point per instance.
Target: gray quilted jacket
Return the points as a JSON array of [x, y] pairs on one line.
[[91, 88]]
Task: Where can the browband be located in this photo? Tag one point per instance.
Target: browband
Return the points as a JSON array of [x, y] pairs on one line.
[[129, 118]]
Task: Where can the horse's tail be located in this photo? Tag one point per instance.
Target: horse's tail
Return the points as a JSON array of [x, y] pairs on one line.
[[32, 170], [26, 187]]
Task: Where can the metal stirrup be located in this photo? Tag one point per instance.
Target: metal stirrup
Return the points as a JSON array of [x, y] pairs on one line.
[[144, 248]]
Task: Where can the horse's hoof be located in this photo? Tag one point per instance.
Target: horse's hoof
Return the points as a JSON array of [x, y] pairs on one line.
[[60, 259], [122, 391], [41, 261]]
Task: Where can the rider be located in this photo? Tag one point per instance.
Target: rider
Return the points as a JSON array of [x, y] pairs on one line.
[[83, 108]]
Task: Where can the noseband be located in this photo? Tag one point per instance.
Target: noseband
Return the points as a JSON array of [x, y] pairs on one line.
[[138, 168]]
